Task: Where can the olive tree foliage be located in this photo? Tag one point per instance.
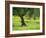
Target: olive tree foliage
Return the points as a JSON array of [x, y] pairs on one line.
[[19, 11], [25, 11]]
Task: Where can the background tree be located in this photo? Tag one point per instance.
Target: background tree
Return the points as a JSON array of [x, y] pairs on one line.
[[36, 12], [33, 12]]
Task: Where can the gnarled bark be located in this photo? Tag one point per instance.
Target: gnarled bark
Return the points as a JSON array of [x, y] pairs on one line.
[[22, 21]]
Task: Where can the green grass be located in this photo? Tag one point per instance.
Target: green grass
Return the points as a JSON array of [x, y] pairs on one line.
[[31, 24]]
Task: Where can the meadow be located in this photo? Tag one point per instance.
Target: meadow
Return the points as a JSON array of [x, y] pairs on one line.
[[31, 24]]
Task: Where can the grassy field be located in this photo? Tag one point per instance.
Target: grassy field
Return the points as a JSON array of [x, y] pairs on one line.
[[31, 24]]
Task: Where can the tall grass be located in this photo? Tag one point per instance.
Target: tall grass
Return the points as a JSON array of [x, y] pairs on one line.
[[31, 24]]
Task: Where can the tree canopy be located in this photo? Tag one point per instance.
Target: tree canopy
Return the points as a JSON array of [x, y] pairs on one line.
[[26, 11]]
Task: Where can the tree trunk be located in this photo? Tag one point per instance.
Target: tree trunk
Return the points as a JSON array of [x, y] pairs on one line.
[[22, 21]]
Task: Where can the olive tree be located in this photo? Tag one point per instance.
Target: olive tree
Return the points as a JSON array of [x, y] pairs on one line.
[[20, 12]]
